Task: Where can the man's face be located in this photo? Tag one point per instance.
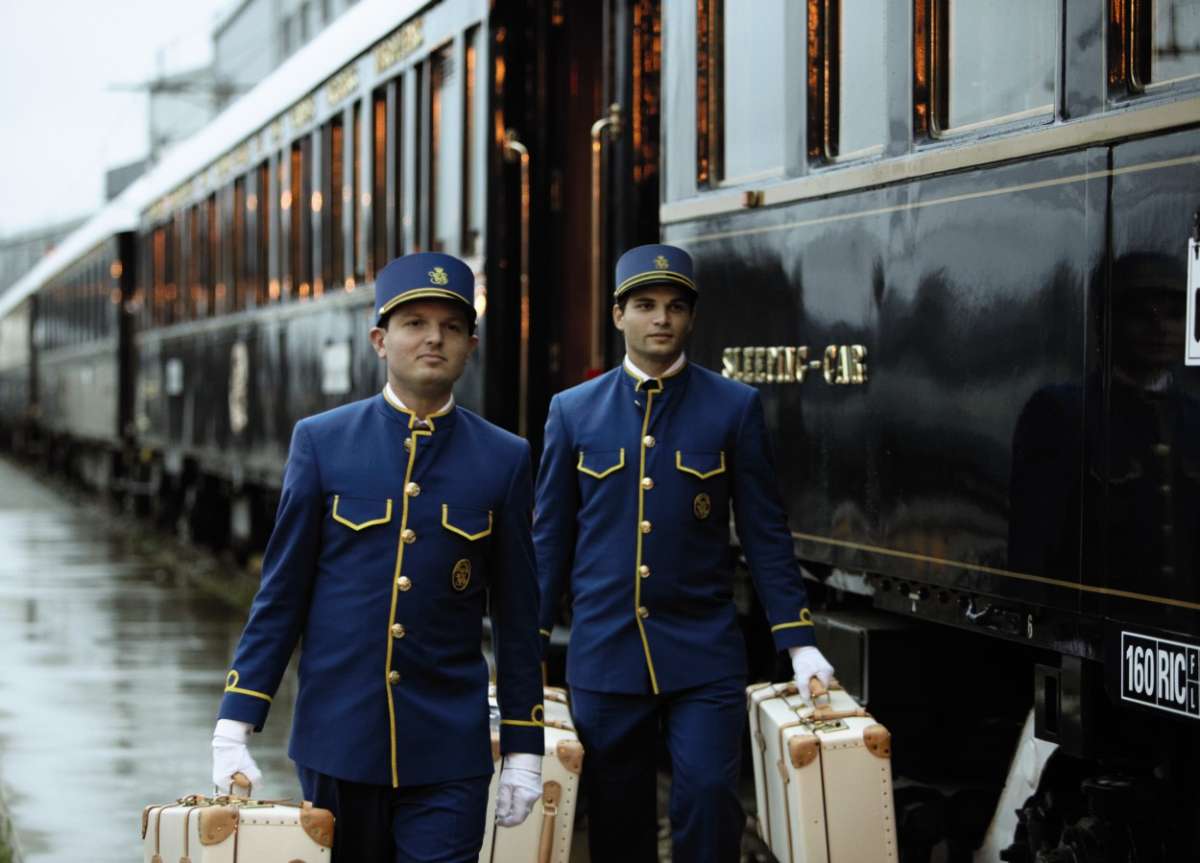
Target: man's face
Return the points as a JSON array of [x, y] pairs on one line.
[[425, 344], [656, 323]]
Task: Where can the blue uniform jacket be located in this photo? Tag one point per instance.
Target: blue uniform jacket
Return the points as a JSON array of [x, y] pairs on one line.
[[387, 542], [633, 500]]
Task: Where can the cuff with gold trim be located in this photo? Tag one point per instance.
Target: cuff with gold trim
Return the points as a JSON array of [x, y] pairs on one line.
[[244, 703], [524, 734], [794, 633]]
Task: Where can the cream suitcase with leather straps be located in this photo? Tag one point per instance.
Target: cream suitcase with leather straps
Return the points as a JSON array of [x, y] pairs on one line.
[[230, 829], [545, 836], [822, 777]]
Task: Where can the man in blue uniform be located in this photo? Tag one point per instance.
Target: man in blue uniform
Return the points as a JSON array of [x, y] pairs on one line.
[[640, 469], [400, 514]]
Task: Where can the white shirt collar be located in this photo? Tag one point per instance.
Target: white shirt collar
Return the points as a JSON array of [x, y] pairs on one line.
[[641, 375], [398, 402]]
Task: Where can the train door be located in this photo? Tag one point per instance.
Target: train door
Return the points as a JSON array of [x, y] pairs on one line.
[[577, 95], [1149, 445]]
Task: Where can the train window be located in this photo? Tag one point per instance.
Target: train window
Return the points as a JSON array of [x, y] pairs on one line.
[[301, 233], [473, 166], [993, 62], [397, 132], [241, 285], [263, 212], [333, 238], [740, 52], [354, 199], [846, 83], [1163, 37], [212, 257], [379, 204], [445, 135]]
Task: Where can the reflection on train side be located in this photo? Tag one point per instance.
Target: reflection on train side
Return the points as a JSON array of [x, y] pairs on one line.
[[1140, 499]]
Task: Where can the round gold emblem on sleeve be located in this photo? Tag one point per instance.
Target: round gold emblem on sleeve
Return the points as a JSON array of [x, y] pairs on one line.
[[701, 506], [461, 576]]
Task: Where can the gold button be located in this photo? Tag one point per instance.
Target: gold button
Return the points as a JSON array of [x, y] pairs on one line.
[[644, 571], [1162, 449], [647, 483], [408, 443], [397, 630], [648, 441], [646, 527], [412, 489], [403, 582], [408, 535], [1165, 489], [393, 677], [643, 612]]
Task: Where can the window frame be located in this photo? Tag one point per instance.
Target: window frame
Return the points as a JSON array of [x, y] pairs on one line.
[[824, 67], [935, 88]]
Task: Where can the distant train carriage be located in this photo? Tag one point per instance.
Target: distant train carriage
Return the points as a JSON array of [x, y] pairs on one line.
[[64, 337]]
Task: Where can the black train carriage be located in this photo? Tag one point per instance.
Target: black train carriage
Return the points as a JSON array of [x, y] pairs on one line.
[[949, 243], [65, 331], [257, 264]]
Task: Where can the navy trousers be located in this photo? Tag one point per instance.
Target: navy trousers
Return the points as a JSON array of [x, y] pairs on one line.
[[703, 729], [440, 823]]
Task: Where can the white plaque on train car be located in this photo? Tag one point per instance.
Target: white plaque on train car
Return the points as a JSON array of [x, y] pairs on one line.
[[173, 377], [1192, 336], [335, 369]]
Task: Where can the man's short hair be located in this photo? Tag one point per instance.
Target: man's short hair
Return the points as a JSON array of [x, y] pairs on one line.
[[687, 296]]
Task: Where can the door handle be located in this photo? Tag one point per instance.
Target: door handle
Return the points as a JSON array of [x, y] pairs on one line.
[[609, 126], [514, 150]]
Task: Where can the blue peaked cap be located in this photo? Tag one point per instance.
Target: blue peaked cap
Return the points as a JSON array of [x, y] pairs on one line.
[[424, 276], [654, 264]]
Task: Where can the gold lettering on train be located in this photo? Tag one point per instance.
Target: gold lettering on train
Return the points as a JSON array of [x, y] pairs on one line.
[[399, 45], [343, 84], [302, 113], [787, 364]]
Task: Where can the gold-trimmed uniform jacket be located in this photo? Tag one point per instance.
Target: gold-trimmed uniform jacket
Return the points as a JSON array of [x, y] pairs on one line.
[[390, 542], [636, 485]]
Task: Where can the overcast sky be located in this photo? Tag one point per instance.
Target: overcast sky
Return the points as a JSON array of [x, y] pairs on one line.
[[63, 124]]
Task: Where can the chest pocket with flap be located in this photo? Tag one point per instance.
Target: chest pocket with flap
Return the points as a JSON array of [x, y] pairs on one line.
[[702, 465], [601, 464], [471, 524], [359, 513]]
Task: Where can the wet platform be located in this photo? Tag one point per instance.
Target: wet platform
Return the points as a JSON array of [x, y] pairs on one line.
[[113, 668]]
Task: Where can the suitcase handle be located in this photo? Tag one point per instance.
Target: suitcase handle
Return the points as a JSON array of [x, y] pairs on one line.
[[240, 780]]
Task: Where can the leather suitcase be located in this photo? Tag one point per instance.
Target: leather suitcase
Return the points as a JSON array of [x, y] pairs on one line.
[[822, 777], [545, 836], [231, 829]]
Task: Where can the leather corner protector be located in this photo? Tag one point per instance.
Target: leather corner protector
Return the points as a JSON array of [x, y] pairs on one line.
[[570, 754], [217, 823], [878, 741], [803, 749], [551, 793], [318, 824]]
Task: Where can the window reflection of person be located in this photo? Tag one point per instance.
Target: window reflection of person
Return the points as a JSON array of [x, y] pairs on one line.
[[1136, 491]]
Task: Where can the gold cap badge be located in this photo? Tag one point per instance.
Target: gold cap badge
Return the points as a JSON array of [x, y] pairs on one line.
[[438, 276], [661, 262], [461, 576]]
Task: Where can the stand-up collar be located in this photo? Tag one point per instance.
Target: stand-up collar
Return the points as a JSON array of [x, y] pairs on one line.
[[415, 422], [644, 382]]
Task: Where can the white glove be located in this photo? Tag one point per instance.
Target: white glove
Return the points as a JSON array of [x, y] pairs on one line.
[[807, 663], [519, 787], [231, 755]]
